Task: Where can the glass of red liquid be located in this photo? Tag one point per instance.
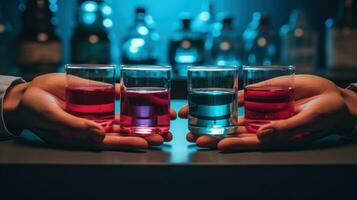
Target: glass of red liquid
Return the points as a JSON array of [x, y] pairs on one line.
[[144, 99], [90, 92], [268, 94]]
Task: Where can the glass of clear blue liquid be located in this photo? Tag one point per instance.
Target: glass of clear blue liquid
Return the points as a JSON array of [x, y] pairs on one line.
[[212, 100]]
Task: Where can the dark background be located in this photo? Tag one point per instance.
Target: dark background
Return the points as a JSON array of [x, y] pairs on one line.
[[165, 14]]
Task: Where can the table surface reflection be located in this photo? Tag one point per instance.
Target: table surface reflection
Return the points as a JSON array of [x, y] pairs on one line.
[[28, 149]]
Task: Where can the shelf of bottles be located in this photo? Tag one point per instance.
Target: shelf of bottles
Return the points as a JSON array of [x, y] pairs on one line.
[[206, 37]]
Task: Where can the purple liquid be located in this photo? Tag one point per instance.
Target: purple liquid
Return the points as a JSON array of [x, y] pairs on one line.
[[263, 105], [94, 103], [145, 111]]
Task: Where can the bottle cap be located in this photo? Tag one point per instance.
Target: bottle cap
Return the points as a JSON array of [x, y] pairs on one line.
[[140, 10]]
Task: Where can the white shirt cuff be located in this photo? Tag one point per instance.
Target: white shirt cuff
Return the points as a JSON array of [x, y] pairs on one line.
[[5, 83]]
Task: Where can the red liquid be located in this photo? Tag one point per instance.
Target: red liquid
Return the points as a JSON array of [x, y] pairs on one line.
[[145, 111], [263, 105], [94, 103]]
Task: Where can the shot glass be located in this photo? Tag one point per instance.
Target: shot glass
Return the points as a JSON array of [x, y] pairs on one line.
[[268, 94], [90, 92], [145, 99], [212, 100]]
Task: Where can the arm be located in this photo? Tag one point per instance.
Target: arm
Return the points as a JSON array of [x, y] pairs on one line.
[[7, 88]]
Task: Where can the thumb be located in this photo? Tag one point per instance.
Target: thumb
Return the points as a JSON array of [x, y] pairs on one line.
[[183, 112]]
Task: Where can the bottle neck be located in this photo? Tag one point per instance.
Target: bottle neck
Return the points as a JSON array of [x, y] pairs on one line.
[[91, 21], [348, 10], [140, 17], [208, 8], [186, 25], [227, 26], [298, 19], [90, 16], [38, 18]]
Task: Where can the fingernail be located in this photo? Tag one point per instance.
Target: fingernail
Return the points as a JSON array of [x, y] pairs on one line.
[[96, 130], [265, 135], [98, 134]]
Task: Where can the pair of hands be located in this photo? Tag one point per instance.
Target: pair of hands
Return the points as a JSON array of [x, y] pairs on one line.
[[321, 108]]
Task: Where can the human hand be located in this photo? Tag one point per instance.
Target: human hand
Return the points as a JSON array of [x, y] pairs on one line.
[[40, 107], [321, 108]]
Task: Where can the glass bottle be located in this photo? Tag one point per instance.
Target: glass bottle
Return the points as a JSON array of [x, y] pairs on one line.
[[261, 42], [299, 43], [341, 37], [39, 48], [140, 44], [205, 20], [6, 40], [91, 42], [185, 48], [225, 46]]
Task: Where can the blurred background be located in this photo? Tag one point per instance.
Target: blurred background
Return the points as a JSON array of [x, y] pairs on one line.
[[318, 37]]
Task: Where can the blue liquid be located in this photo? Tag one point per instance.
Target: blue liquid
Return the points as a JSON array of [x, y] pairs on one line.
[[212, 111]]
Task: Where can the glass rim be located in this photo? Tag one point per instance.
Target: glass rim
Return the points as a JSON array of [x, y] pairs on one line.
[[269, 67], [213, 68], [146, 67], [90, 66]]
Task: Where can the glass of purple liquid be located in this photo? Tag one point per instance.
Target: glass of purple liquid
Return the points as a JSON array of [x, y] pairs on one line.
[[144, 99], [268, 94], [90, 92]]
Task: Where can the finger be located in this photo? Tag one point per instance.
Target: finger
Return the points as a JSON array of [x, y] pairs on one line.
[[117, 90], [240, 143], [183, 112], [241, 121], [167, 137], [78, 127], [173, 114], [207, 141], [114, 129], [116, 119], [284, 129], [118, 142], [191, 137], [154, 139], [240, 98]]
